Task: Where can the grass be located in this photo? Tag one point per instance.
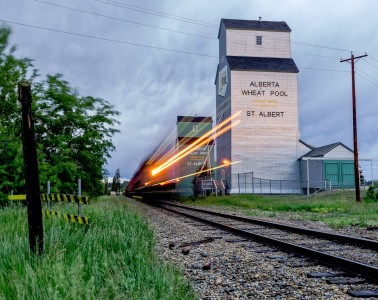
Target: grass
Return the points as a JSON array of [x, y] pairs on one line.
[[113, 258], [337, 208]]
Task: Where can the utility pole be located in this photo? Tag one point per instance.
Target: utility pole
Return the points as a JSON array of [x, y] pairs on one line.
[[355, 143], [33, 194]]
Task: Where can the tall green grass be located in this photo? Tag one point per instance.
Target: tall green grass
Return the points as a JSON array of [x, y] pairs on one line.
[[113, 258], [338, 208]]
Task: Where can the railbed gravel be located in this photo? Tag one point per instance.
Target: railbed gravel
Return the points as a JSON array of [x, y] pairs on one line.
[[240, 269]]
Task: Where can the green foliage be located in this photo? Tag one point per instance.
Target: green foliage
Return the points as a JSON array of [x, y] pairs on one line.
[[113, 258], [371, 195], [116, 186], [12, 70], [73, 133]]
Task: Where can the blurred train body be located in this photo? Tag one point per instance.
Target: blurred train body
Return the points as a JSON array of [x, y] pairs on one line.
[[175, 179]]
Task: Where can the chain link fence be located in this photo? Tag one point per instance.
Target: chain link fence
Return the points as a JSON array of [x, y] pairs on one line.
[[246, 183]]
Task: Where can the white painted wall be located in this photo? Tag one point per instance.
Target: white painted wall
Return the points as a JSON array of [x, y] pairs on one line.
[[339, 152], [267, 145], [243, 43]]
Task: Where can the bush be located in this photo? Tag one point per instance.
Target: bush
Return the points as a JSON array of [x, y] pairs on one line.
[[371, 195]]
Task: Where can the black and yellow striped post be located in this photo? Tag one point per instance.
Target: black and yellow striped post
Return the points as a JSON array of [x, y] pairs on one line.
[[33, 199], [60, 198], [68, 217], [65, 198]]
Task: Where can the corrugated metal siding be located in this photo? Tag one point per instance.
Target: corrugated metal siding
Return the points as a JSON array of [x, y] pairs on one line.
[[340, 172], [332, 173], [347, 173], [222, 43], [223, 108]]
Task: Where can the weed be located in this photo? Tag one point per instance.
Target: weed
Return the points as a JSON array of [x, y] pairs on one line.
[[113, 258]]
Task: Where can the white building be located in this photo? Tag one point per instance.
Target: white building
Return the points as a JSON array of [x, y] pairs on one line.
[[257, 76]]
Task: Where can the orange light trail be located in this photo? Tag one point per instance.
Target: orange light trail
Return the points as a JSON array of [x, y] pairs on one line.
[[204, 142], [204, 139], [196, 173]]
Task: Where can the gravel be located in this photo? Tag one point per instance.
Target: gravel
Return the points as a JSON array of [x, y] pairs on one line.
[[224, 266]]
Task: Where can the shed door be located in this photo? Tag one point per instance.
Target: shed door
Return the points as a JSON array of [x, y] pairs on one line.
[[347, 171], [332, 173]]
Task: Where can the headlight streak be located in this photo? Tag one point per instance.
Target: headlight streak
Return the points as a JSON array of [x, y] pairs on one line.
[[204, 139], [188, 175]]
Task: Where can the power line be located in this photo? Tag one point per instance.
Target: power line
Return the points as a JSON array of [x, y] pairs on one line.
[[146, 9], [123, 20], [161, 28], [108, 40], [160, 14], [366, 78], [373, 58], [296, 42], [320, 46], [369, 63], [183, 19], [325, 56], [136, 44], [372, 78], [146, 46], [327, 70], [166, 29], [197, 22]]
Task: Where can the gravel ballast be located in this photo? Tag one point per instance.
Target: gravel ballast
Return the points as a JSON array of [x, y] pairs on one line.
[[224, 266]]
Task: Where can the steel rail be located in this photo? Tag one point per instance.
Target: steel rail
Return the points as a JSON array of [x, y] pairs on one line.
[[350, 266], [361, 242]]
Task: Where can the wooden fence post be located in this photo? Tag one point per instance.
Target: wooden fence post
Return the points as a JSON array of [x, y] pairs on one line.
[[33, 194]]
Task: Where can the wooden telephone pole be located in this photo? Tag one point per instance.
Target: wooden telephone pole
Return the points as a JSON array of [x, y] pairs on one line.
[[33, 194], [355, 143]]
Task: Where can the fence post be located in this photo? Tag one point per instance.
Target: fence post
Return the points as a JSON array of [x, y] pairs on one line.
[[48, 192], [10, 203], [260, 187], [308, 180], [33, 193], [239, 182], [245, 183], [79, 193], [270, 186], [253, 186], [372, 176]]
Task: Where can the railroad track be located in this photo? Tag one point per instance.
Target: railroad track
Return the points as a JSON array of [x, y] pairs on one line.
[[355, 256]]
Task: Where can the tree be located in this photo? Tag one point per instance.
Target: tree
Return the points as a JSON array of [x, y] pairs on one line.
[[116, 186], [73, 133], [105, 175], [12, 70], [362, 178]]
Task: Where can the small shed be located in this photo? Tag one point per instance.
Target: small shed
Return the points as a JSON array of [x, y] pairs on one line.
[[330, 166]]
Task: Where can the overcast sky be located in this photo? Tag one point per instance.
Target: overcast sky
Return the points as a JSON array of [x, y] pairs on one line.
[[150, 86]]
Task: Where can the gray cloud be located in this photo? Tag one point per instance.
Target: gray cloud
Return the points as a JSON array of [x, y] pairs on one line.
[[151, 87]]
